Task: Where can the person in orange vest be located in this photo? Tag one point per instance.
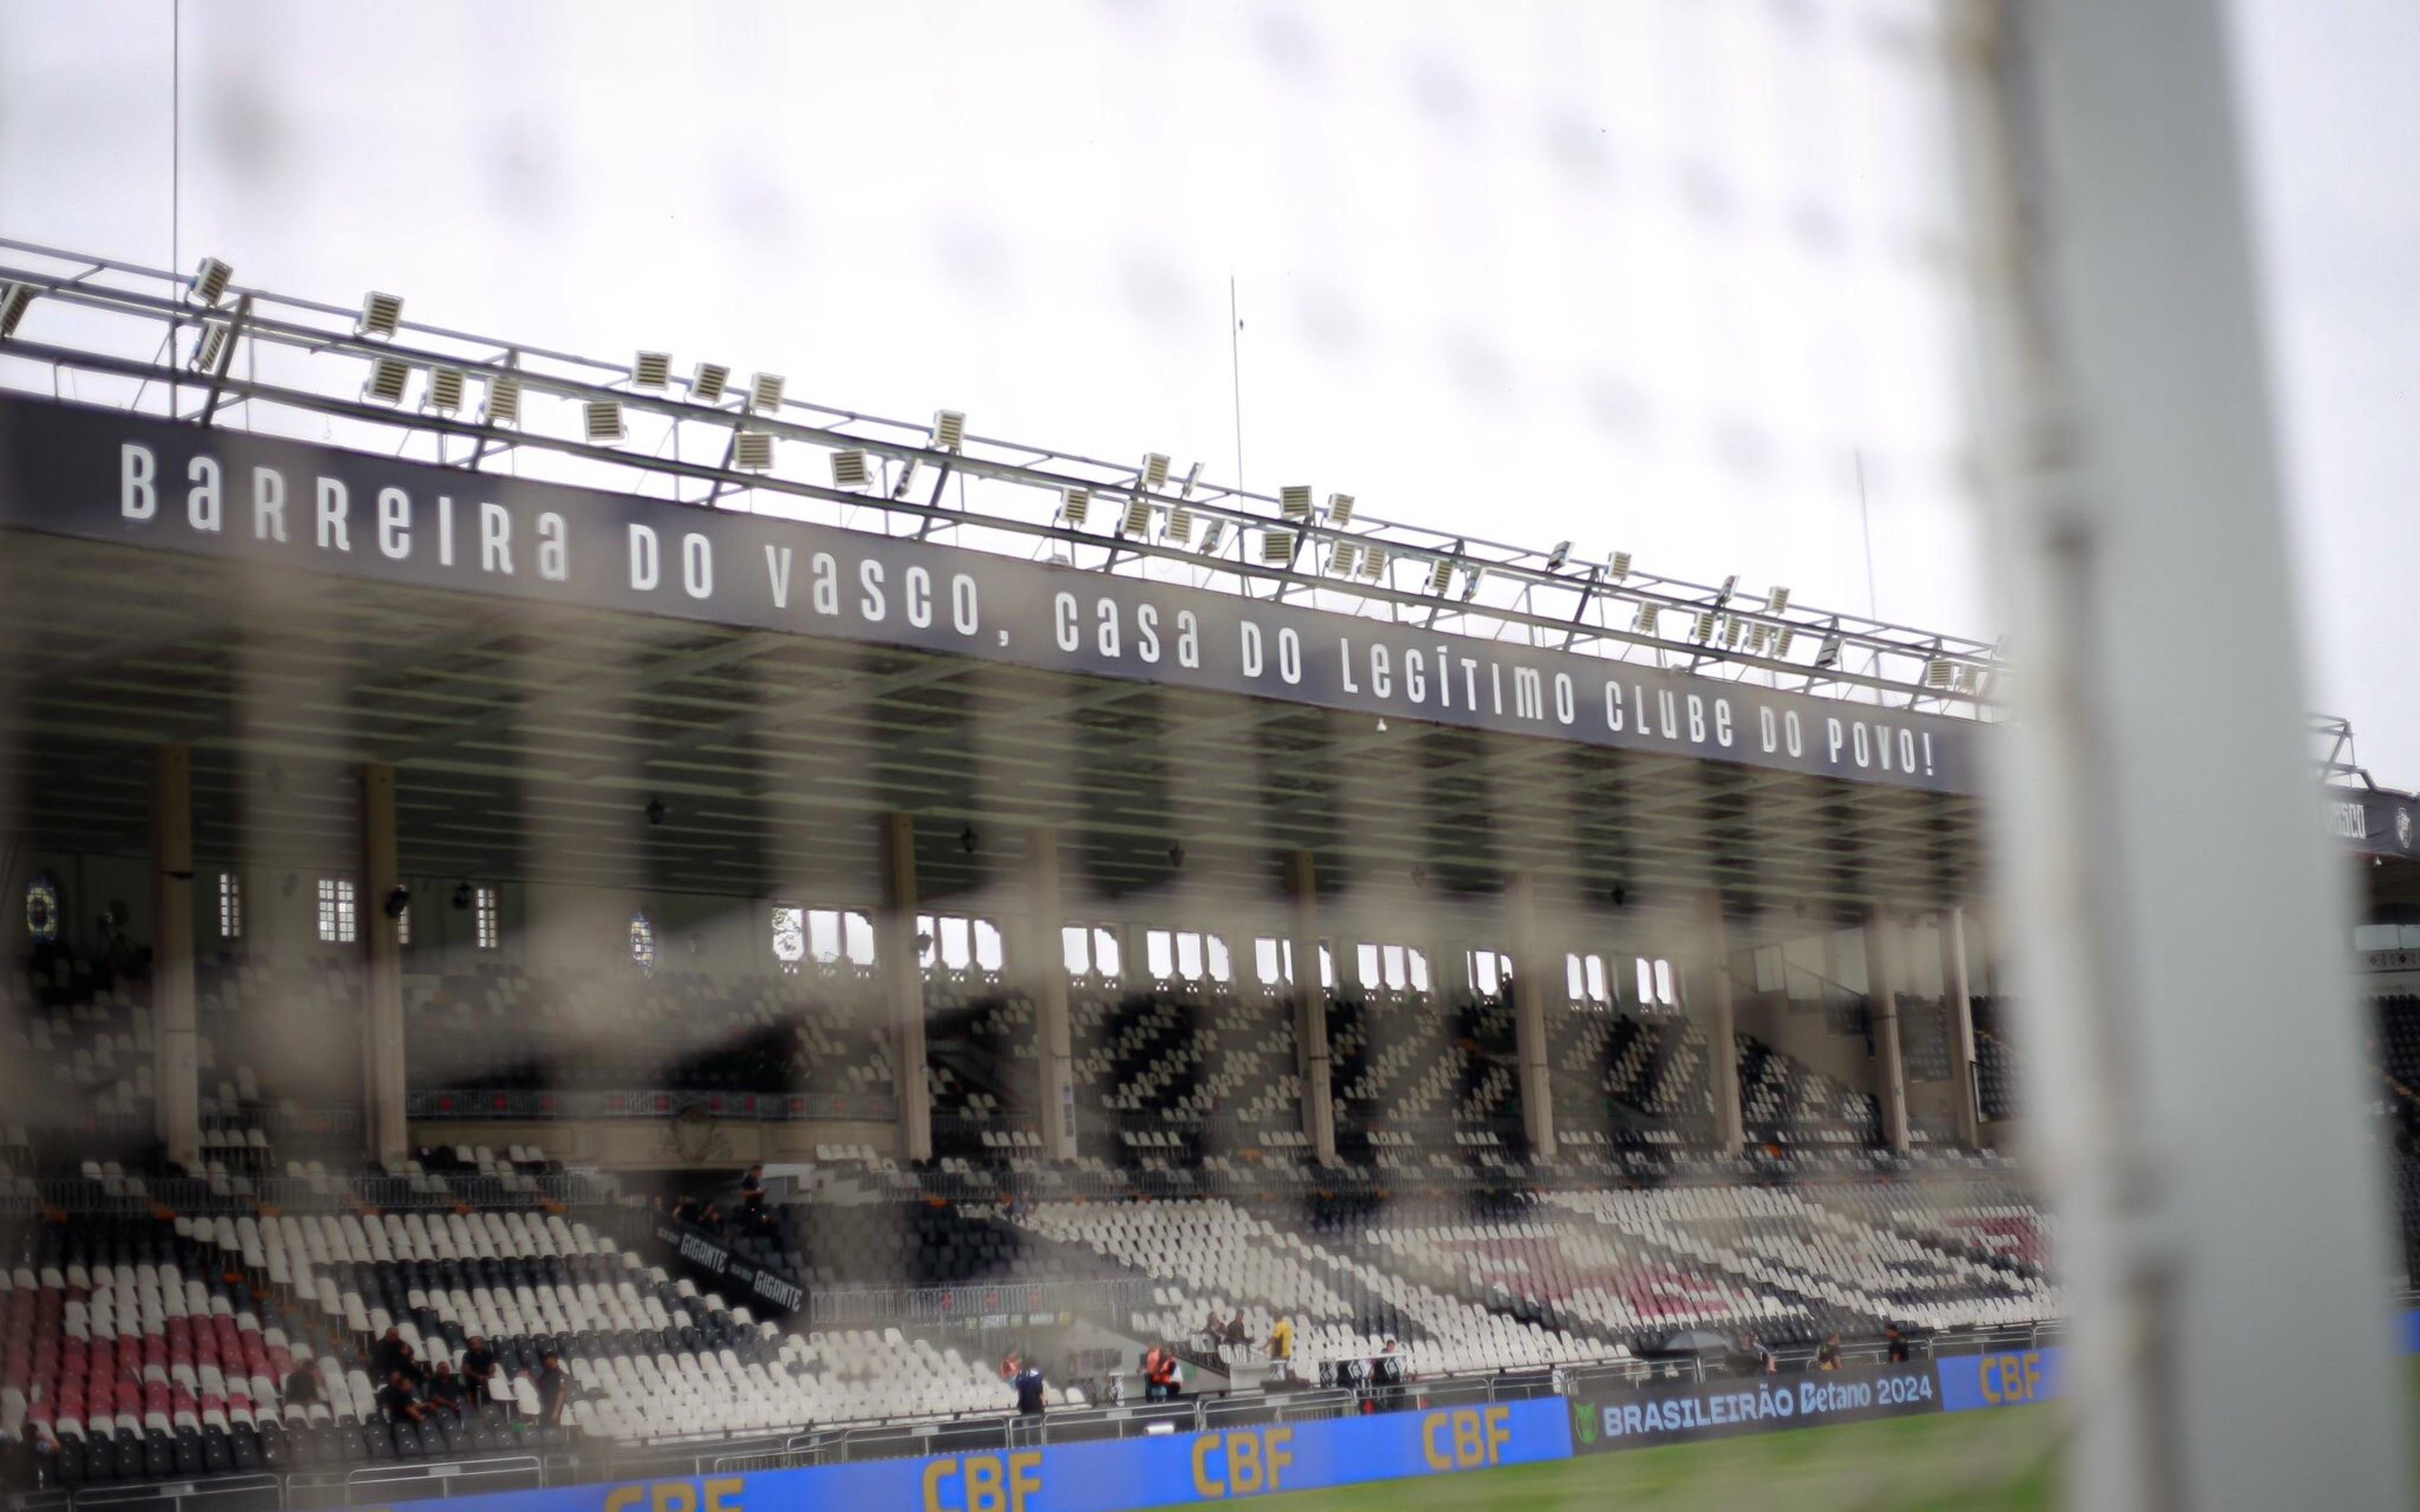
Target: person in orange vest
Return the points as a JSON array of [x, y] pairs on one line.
[[1151, 1374], [1169, 1384]]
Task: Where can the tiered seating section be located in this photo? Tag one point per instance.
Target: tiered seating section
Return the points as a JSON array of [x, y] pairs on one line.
[[1784, 1100]]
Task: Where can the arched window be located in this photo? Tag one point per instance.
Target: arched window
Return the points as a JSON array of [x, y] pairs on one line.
[[642, 941], [43, 908]]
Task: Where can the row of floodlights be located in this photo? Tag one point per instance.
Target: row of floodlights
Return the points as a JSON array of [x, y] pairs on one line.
[[853, 469]]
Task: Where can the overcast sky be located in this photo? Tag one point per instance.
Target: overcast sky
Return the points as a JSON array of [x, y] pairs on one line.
[[1668, 276]]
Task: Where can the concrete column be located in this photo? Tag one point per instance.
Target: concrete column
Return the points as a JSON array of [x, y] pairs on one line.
[[387, 1139], [1044, 972], [1883, 986], [903, 983], [1957, 1003], [175, 1048], [1311, 1008], [1535, 977], [1711, 1003]]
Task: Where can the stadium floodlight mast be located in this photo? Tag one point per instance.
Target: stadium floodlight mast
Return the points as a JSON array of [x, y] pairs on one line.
[[1011, 497]]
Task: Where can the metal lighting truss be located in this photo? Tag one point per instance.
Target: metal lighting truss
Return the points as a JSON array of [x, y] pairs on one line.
[[209, 351]]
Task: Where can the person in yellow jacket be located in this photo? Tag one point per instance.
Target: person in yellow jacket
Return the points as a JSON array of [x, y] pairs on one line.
[[1281, 1339]]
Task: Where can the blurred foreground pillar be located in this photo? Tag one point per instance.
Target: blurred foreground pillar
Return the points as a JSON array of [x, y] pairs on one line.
[[1043, 969], [1884, 979], [1533, 979], [175, 1068], [2173, 919], [1311, 1008], [1958, 1009], [1721, 1022], [903, 986], [386, 1136]]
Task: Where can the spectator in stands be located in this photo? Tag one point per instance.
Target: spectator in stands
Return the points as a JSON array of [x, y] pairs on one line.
[[685, 1209], [398, 1401], [1236, 1333], [554, 1389], [1029, 1385], [445, 1390], [389, 1353], [1213, 1331], [1281, 1345], [1389, 1371], [1898, 1343], [1009, 1366], [1828, 1356], [753, 1216], [478, 1367], [1171, 1383], [302, 1388], [1151, 1374]]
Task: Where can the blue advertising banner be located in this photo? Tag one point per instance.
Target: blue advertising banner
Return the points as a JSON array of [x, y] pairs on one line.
[[1103, 1477], [1969, 1381], [1632, 1417]]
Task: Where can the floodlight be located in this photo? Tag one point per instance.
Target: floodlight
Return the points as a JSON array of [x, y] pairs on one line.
[[1732, 630], [1344, 557], [765, 393], [210, 284], [1293, 500], [706, 385], [1374, 562], [14, 300], [1155, 471], [1937, 672], [1729, 585], [949, 430], [1829, 655], [1781, 641], [1441, 575], [651, 370], [1276, 548], [1619, 564], [1644, 622], [1705, 628], [967, 840], [1210, 539], [1179, 526], [1470, 582], [1138, 517], [656, 810], [1192, 477], [388, 377], [1075, 505], [504, 400], [1339, 510], [1561, 554], [850, 470], [381, 314], [752, 451], [446, 386], [213, 342], [1778, 602], [398, 899], [906, 476], [604, 421]]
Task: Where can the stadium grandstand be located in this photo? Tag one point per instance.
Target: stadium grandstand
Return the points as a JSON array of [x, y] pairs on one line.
[[592, 919]]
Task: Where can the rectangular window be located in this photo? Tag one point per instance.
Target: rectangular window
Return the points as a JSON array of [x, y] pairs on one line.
[[1221, 969], [1272, 961], [230, 907], [822, 933], [990, 953], [1490, 972], [483, 917], [403, 926], [1074, 949], [337, 924], [1159, 954], [789, 935], [857, 937]]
